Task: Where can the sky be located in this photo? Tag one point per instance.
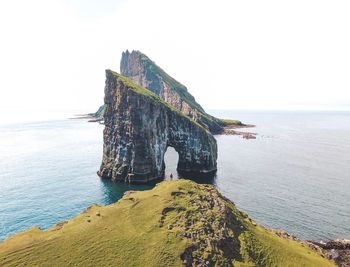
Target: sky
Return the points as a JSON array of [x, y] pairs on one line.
[[259, 55]]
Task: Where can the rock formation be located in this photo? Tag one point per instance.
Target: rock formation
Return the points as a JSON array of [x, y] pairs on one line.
[[139, 126], [146, 73]]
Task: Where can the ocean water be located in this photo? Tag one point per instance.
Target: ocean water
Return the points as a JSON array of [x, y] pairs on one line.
[[294, 176]]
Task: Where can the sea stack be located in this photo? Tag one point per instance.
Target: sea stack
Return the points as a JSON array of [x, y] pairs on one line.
[[139, 126]]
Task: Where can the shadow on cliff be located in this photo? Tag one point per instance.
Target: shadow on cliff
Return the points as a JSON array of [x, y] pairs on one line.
[[202, 178]]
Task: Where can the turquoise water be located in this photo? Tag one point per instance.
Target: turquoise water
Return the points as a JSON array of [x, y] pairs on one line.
[[48, 173], [295, 175]]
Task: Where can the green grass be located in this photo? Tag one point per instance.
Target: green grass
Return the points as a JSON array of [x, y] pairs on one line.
[[147, 229]]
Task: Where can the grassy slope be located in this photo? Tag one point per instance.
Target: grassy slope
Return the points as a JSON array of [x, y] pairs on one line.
[[135, 232]]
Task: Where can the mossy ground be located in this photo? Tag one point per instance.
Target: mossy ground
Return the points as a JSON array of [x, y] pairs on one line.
[[159, 227]]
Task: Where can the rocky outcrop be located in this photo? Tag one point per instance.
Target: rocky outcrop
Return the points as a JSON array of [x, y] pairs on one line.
[[338, 250], [139, 127], [146, 73]]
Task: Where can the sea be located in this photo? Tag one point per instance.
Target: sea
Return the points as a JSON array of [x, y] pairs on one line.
[[294, 176]]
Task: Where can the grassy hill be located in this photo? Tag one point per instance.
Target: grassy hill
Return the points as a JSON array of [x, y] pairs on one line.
[[177, 223]]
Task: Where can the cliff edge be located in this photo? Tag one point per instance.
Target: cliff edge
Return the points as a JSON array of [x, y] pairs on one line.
[[178, 223]]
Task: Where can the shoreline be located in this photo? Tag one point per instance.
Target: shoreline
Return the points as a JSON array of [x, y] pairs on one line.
[[230, 130]]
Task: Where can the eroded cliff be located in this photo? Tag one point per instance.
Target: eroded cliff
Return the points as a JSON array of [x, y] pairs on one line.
[[139, 126]]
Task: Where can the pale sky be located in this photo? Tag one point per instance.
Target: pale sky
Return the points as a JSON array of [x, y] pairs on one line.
[[229, 54]]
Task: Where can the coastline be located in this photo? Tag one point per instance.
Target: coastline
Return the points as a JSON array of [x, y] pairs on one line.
[[231, 130]]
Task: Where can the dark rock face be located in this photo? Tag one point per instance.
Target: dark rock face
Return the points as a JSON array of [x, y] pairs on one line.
[[139, 127], [145, 72]]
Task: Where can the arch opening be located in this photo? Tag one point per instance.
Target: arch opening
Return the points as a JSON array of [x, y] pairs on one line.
[[171, 159]]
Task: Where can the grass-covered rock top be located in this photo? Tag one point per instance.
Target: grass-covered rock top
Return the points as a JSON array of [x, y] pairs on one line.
[[152, 97], [178, 223], [146, 73]]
